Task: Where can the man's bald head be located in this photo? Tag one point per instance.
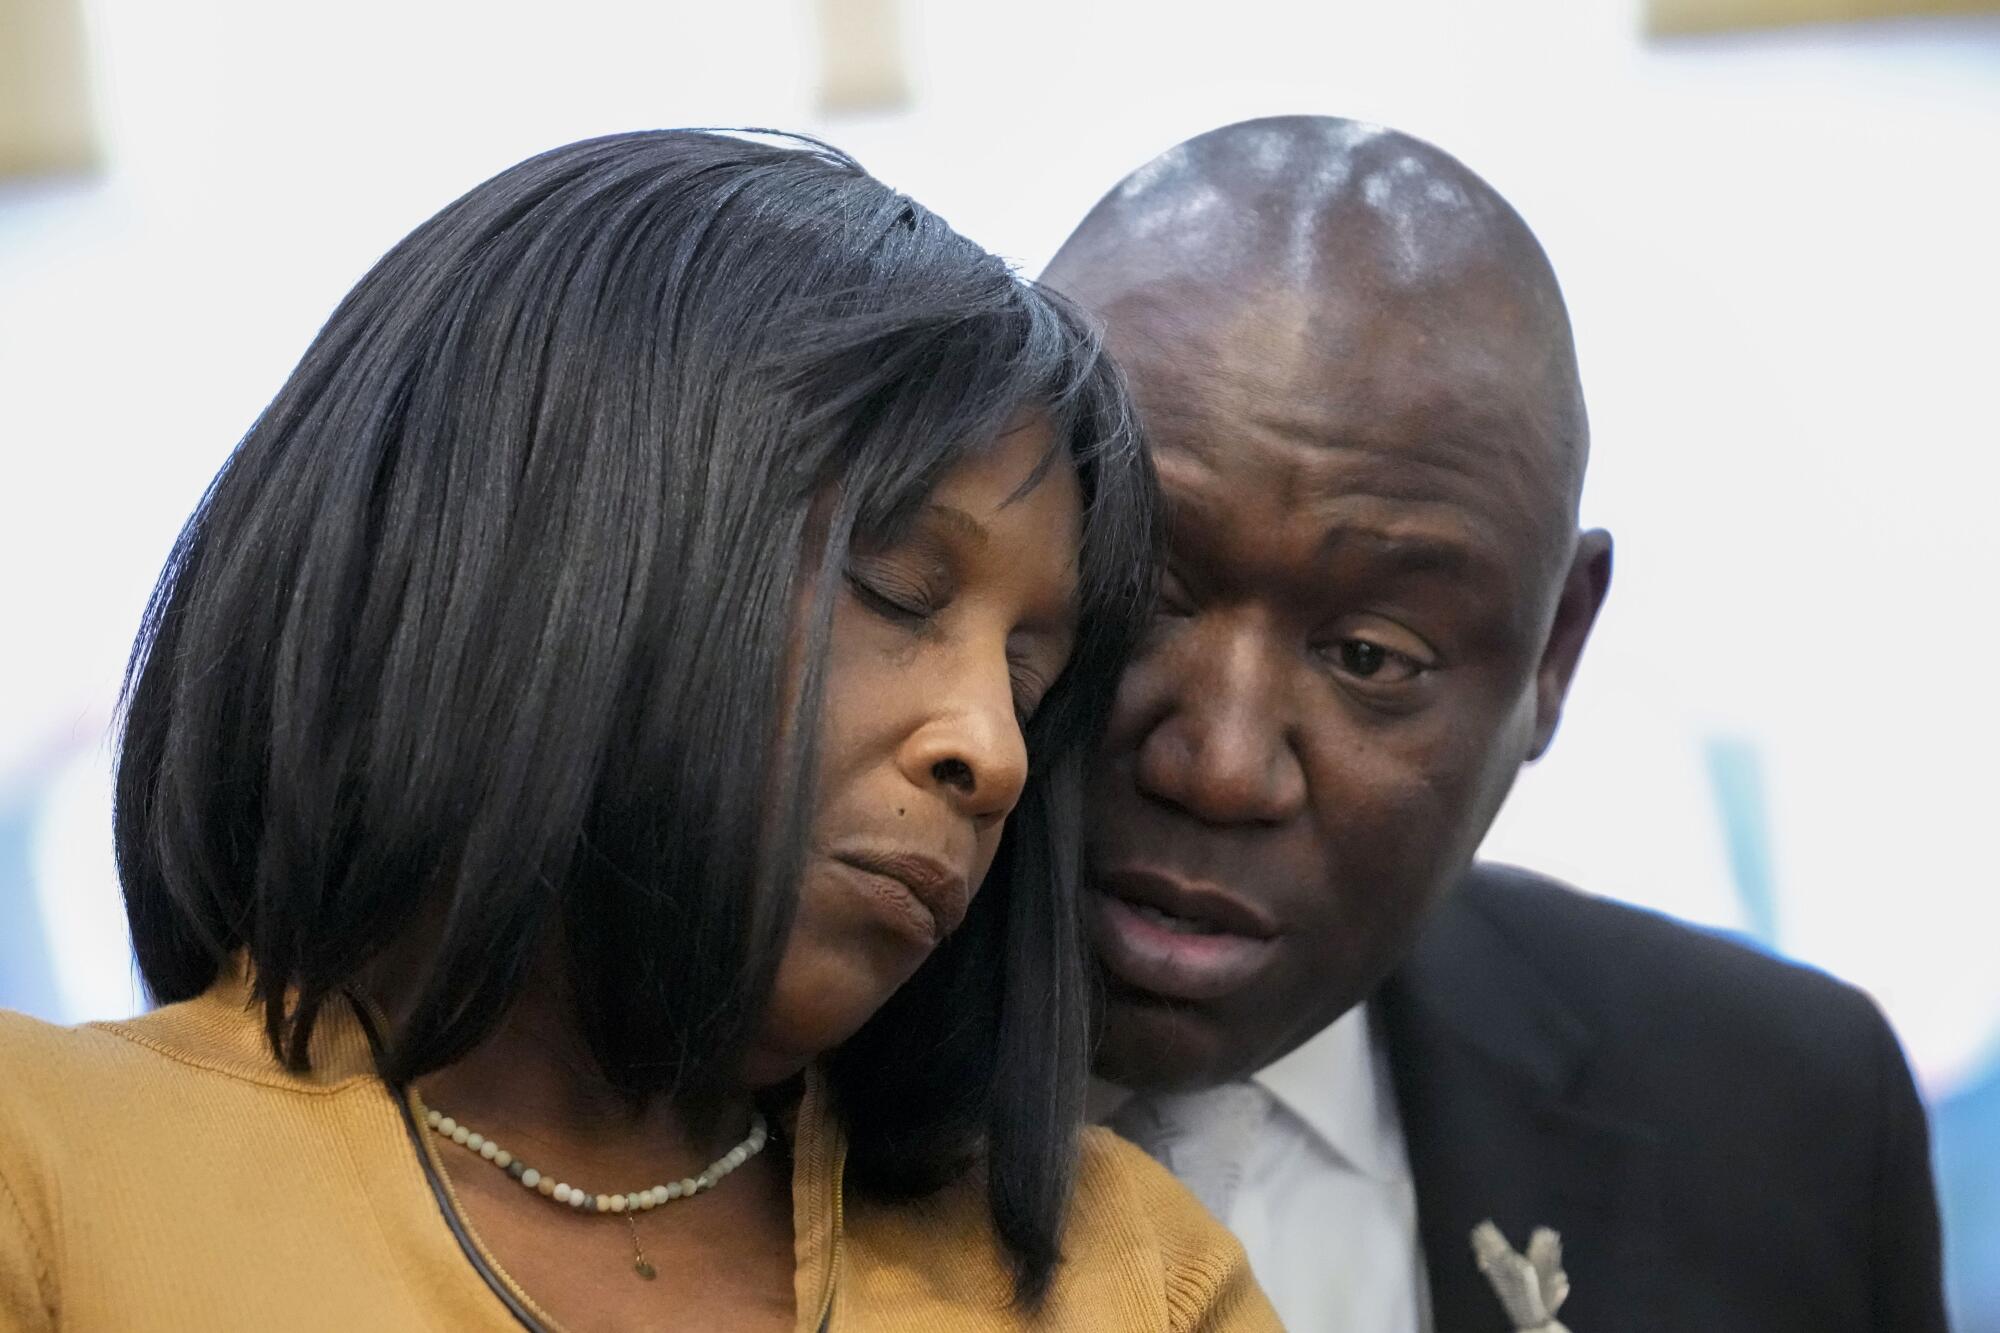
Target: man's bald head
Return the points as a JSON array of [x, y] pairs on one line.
[[1356, 375], [1327, 232]]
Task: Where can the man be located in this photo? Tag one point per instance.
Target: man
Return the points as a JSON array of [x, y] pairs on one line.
[[1357, 372]]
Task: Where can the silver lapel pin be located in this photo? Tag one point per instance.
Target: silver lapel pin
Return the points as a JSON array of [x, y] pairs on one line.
[[1531, 1286]]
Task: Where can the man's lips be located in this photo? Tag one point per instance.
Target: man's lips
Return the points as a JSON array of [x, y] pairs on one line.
[[918, 893], [1178, 939], [1189, 899]]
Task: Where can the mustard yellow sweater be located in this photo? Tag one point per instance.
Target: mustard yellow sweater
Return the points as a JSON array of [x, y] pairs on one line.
[[168, 1173]]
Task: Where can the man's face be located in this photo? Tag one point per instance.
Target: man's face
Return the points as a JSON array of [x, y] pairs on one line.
[[1370, 528]]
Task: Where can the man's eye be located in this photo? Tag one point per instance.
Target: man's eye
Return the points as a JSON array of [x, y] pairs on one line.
[[1174, 599], [1372, 662]]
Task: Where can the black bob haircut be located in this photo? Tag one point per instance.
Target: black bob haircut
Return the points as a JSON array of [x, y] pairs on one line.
[[487, 620]]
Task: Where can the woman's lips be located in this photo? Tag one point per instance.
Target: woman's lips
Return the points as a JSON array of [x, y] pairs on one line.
[[1176, 957], [918, 895]]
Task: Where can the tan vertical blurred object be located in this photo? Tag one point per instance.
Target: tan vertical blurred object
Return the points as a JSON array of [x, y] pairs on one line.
[[861, 66], [1665, 17], [45, 121]]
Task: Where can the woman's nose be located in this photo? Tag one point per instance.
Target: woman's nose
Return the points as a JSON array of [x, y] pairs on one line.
[[969, 747]]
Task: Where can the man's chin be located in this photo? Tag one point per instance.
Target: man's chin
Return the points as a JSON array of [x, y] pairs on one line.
[[1151, 1044]]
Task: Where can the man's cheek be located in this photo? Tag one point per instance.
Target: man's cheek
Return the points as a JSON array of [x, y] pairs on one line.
[[1395, 826]]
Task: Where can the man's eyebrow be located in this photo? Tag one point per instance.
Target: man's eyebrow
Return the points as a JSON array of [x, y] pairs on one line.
[[1402, 553]]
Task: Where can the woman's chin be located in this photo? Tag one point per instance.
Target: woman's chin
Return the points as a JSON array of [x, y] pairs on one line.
[[816, 1005]]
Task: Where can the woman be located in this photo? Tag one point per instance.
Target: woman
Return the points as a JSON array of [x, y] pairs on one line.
[[559, 762]]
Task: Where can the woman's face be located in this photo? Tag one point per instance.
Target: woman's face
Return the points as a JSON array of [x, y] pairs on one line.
[[941, 647]]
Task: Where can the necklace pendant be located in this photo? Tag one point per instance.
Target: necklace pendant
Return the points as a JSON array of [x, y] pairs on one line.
[[644, 1268]]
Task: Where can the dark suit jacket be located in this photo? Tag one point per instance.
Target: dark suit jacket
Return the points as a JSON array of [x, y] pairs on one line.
[[1725, 1141]]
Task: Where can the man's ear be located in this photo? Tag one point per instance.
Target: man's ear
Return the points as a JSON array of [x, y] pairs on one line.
[[1583, 590]]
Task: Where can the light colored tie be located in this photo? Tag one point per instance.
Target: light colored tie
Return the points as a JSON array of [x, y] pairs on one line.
[[1205, 1138]]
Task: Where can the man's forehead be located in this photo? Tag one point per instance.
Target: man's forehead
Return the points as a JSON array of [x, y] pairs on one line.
[[1413, 467], [1239, 511], [1464, 446], [1325, 265], [1199, 362]]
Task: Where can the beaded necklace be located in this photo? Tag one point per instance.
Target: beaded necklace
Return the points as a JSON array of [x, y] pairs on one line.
[[627, 1205]]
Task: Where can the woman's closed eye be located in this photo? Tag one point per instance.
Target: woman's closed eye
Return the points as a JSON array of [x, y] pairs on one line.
[[892, 593]]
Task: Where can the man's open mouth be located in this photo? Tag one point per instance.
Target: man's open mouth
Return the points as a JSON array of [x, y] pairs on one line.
[[1165, 936]]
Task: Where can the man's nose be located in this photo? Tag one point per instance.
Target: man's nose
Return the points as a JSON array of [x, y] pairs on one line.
[[970, 749], [1222, 748]]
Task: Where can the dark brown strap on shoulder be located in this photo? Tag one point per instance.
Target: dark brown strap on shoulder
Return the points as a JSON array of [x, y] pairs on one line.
[[439, 1193]]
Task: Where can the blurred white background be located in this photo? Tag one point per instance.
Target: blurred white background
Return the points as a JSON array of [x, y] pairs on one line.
[[1781, 249]]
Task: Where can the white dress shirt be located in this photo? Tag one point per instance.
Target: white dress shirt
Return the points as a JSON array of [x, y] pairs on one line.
[[1305, 1163]]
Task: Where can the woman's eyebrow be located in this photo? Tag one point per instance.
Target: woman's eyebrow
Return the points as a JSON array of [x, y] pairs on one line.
[[960, 522]]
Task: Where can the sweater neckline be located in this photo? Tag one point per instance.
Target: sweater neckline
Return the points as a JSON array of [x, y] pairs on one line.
[[222, 1031]]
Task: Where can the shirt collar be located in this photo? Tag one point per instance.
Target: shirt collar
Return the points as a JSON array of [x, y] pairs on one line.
[[1338, 1084]]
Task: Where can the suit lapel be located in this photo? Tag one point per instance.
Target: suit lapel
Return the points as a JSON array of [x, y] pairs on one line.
[[1491, 1070]]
